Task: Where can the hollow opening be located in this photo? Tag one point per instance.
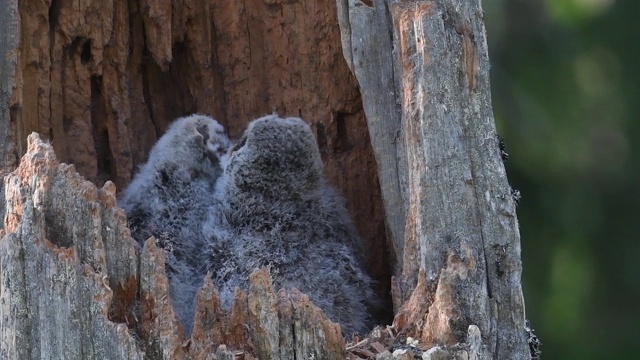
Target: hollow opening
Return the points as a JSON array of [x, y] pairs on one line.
[[342, 138], [229, 73]]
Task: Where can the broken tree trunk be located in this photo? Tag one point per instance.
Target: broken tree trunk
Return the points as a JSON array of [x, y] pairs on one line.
[[101, 80], [423, 69], [75, 285]]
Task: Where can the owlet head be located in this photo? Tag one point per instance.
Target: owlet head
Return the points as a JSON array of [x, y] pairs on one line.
[[277, 157], [209, 134], [204, 135], [197, 144]]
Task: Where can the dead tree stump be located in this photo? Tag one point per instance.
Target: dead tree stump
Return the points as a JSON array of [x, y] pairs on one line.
[[405, 121]]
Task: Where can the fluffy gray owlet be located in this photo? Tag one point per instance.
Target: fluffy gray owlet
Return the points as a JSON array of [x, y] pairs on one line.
[[276, 210], [168, 198]]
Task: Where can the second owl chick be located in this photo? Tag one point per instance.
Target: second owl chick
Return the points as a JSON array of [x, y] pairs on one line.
[[168, 199], [192, 148], [277, 210]]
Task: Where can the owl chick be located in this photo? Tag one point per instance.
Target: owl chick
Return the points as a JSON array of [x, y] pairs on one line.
[[193, 148], [276, 210], [169, 197]]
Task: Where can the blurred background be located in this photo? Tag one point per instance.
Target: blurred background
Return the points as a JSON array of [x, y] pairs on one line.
[[566, 91]]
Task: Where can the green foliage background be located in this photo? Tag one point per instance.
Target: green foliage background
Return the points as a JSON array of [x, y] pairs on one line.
[[566, 87]]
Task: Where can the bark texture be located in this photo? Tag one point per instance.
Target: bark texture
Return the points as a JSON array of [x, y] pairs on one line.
[[103, 79], [67, 264], [75, 285], [424, 75]]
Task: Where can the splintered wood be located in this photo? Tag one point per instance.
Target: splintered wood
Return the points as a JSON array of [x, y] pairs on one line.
[[67, 257]]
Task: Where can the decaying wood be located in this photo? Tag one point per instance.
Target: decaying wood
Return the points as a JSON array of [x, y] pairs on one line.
[[56, 285], [461, 247], [101, 80], [67, 265]]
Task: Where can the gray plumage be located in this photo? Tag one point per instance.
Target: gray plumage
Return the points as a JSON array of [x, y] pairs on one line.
[[168, 198], [275, 209]]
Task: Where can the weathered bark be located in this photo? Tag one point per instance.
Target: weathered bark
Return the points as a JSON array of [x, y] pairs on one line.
[[69, 275], [461, 247]]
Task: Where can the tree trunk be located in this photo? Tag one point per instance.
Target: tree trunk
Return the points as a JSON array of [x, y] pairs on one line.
[[423, 69], [102, 80]]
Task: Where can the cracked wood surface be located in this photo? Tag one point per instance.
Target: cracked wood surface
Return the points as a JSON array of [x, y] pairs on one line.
[[423, 70], [70, 274]]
